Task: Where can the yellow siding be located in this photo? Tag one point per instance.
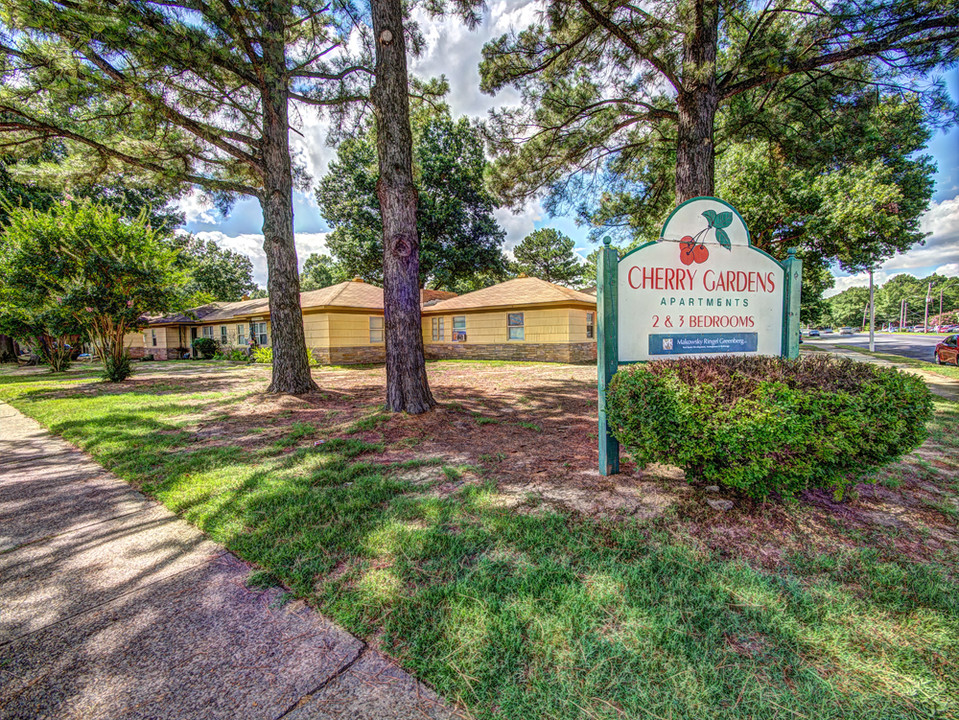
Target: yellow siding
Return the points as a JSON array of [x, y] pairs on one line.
[[133, 340], [577, 326], [316, 326], [546, 325], [349, 329]]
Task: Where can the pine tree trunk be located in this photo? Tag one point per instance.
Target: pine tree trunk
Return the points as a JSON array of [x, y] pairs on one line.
[[407, 388], [697, 103], [291, 367]]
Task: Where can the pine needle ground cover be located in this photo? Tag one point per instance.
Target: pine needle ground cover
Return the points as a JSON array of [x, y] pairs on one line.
[[479, 547]]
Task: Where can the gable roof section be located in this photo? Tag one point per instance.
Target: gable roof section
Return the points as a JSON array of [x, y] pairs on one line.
[[513, 293], [213, 312], [349, 294]]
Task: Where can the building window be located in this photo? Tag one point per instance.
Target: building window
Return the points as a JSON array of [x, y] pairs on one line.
[[439, 333], [459, 328], [376, 329], [241, 335], [223, 336], [259, 332], [514, 322], [207, 331], [590, 319], [153, 337]]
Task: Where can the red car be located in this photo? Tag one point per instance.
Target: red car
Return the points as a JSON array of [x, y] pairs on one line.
[[947, 351]]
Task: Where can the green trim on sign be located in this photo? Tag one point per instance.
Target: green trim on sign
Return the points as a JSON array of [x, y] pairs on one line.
[[792, 300], [676, 209], [607, 348], [749, 237], [641, 247]]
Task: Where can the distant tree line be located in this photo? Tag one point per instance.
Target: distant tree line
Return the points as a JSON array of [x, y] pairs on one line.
[[850, 306]]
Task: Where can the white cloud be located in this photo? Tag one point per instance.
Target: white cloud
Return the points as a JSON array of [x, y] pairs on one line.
[[251, 245], [949, 270], [941, 247], [455, 51], [196, 206], [939, 253], [518, 225]]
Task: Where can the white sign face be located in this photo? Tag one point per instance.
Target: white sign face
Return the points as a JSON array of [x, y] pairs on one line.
[[700, 291]]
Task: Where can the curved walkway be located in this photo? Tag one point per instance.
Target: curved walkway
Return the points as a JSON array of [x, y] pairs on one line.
[[112, 607]]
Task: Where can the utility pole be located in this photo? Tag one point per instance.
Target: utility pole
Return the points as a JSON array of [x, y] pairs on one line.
[[925, 322], [939, 321], [872, 315]]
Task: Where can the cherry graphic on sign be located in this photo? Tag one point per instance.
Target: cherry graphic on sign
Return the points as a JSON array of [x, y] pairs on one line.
[[694, 250]]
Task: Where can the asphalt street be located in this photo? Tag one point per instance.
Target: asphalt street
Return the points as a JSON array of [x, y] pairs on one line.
[[911, 345]]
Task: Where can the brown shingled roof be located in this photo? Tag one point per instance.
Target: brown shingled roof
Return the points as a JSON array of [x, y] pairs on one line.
[[433, 296], [213, 312], [352, 293], [521, 291]]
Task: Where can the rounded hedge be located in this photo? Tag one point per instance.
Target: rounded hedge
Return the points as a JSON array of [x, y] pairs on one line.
[[766, 424]]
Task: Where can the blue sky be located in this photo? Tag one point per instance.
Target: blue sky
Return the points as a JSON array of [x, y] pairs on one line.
[[455, 51]]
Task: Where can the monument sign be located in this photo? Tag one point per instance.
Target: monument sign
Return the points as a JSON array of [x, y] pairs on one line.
[[700, 290]]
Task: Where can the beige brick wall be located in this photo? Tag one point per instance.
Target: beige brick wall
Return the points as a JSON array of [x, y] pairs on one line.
[[533, 352]]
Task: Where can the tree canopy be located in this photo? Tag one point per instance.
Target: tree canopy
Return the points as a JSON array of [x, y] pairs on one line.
[[215, 273], [184, 92], [890, 295], [548, 255], [83, 268], [613, 83], [320, 271], [20, 187], [459, 236]]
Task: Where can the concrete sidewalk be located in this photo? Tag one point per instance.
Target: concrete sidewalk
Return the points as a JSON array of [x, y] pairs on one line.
[[112, 607]]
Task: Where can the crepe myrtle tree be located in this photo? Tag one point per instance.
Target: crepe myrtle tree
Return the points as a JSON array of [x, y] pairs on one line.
[[609, 80], [83, 268], [40, 324], [185, 92]]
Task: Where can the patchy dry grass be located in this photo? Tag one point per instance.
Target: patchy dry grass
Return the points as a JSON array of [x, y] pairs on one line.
[[479, 546]]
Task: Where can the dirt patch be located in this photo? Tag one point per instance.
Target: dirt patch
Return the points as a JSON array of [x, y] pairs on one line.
[[531, 432]]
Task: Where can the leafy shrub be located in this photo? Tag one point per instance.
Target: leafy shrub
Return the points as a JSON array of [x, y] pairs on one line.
[[765, 424], [236, 354], [265, 355], [117, 369], [205, 347]]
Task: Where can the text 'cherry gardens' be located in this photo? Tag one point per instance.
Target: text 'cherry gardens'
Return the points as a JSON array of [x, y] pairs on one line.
[[700, 290], [669, 278]]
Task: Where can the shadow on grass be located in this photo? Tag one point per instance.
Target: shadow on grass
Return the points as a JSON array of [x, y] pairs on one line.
[[543, 614]]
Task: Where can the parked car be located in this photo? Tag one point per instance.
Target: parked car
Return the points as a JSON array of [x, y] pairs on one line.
[[814, 333], [948, 351], [827, 331], [846, 331]]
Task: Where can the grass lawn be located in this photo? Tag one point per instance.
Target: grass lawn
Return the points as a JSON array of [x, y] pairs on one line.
[[949, 371], [479, 546]]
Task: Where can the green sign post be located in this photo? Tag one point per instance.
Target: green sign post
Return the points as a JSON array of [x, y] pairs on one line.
[[700, 290]]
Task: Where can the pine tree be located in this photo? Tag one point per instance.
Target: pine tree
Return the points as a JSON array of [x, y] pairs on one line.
[[184, 92]]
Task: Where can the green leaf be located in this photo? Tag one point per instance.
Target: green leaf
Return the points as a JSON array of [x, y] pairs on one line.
[[722, 238], [723, 220], [710, 215]]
